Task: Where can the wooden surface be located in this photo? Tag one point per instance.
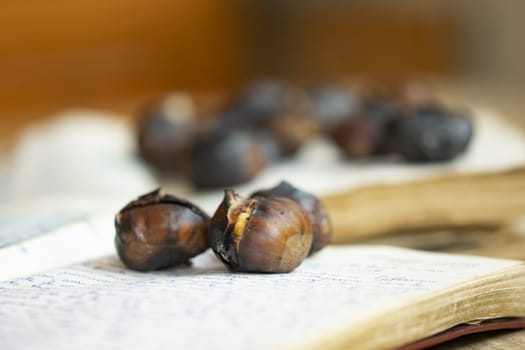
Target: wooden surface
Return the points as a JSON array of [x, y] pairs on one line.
[[63, 50]]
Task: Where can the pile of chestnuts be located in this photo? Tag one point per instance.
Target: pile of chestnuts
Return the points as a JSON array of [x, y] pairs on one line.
[[229, 142], [271, 231]]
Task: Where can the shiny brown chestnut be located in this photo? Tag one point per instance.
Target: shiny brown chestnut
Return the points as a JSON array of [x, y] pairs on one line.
[[260, 234], [158, 230], [321, 225]]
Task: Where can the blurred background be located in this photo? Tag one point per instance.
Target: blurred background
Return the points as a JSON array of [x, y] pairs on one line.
[[116, 54]]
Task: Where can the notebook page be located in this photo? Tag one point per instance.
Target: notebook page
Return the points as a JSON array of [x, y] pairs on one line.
[[56, 241], [102, 305], [22, 223]]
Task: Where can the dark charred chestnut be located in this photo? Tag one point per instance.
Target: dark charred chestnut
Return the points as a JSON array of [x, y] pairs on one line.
[[158, 231], [260, 234], [166, 132], [321, 225], [229, 157], [431, 133]]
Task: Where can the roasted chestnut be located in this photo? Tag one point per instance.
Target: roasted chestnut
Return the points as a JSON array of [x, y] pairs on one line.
[[259, 102], [276, 107], [158, 230], [291, 130], [166, 132], [431, 133], [229, 157], [321, 225], [260, 234], [364, 134], [360, 137]]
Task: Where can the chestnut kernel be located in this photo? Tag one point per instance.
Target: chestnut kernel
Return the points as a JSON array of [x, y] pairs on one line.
[[321, 225], [260, 234], [158, 230]]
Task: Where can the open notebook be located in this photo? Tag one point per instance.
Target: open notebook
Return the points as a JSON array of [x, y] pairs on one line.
[[358, 297]]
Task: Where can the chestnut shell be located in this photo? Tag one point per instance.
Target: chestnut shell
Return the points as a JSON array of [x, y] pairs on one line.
[[158, 231], [275, 238], [321, 224]]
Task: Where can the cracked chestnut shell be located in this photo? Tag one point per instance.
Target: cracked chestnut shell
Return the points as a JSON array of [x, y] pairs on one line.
[[321, 225], [260, 234], [158, 230]]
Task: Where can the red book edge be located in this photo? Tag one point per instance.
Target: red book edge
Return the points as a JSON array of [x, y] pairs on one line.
[[464, 329]]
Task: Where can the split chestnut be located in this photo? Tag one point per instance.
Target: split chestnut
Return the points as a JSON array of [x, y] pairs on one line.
[[260, 234]]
